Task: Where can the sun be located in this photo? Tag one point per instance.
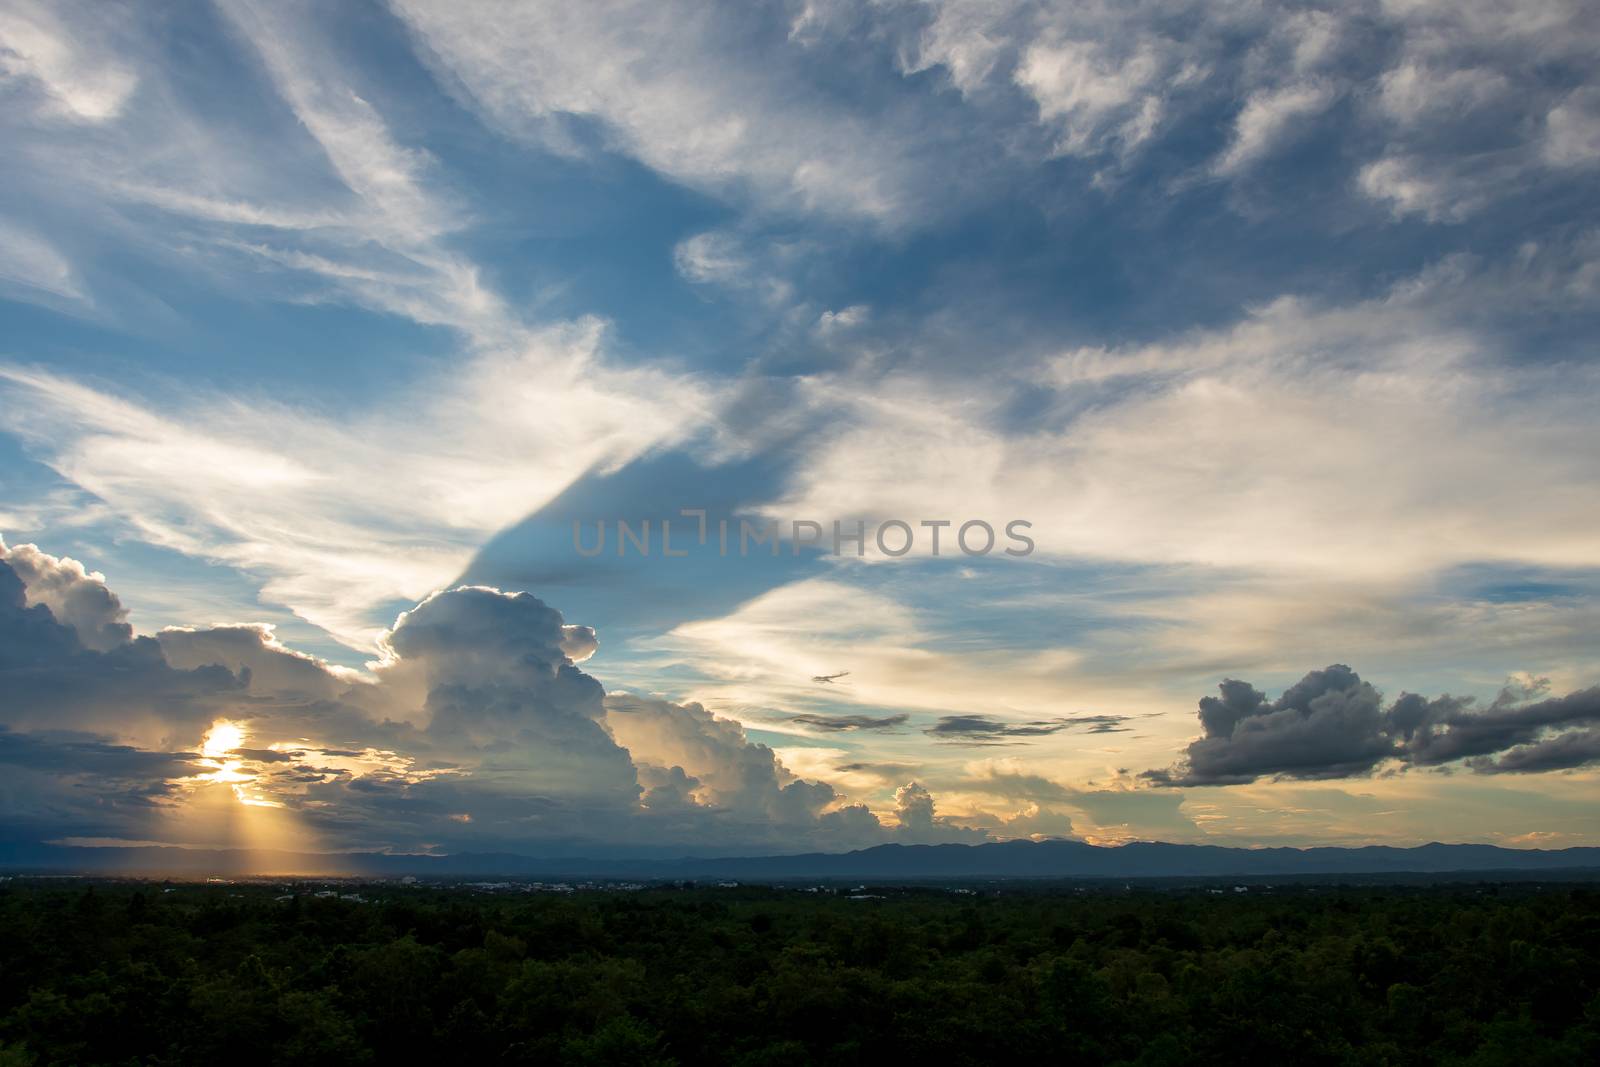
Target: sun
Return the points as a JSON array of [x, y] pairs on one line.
[[217, 751], [224, 737]]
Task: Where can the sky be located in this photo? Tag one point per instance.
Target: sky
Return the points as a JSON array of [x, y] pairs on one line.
[[1117, 421]]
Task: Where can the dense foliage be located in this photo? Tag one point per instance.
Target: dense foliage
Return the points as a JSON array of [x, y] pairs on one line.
[[124, 973]]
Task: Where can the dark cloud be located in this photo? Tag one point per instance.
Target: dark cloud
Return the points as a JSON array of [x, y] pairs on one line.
[[61, 783], [49, 679], [1331, 724], [987, 730], [266, 755], [1447, 729], [479, 731], [76, 598], [1576, 748], [850, 723]]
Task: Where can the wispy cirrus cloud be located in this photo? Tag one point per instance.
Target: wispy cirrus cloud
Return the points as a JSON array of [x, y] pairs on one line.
[[339, 517], [69, 74], [294, 497]]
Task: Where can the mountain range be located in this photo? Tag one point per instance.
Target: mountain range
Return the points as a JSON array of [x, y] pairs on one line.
[[1054, 859]]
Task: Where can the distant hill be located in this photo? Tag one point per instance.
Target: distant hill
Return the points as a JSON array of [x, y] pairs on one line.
[[883, 863]]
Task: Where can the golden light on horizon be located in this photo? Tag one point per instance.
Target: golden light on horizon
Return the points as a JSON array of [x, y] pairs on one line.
[[227, 807]]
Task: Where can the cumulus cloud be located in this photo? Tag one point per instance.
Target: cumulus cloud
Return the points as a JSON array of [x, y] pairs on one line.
[[1332, 724], [476, 729], [76, 597], [919, 822], [55, 680], [740, 779], [913, 804]]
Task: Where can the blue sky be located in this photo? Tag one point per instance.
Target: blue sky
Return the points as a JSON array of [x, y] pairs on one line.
[[1274, 320]]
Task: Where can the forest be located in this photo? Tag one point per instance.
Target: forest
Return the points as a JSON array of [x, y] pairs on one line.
[[150, 973]]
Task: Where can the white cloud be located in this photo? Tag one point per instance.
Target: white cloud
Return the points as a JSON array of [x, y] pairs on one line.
[[1084, 90], [673, 89], [1301, 440], [1267, 118], [843, 320], [389, 178], [337, 516], [1572, 130], [82, 83], [1413, 92], [33, 269], [1409, 192]]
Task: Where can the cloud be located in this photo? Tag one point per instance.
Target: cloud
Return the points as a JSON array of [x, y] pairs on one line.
[[850, 723], [1565, 751], [764, 653], [738, 777], [1112, 79], [1265, 119], [254, 653], [919, 822], [1414, 91], [304, 192], [63, 783], [1523, 729], [1174, 452], [987, 730], [1331, 724], [33, 269], [735, 263], [1410, 190], [913, 805], [1572, 130], [476, 730], [80, 81], [54, 680], [692, 95], [340, 516], [76, 597], [1083, 89]]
